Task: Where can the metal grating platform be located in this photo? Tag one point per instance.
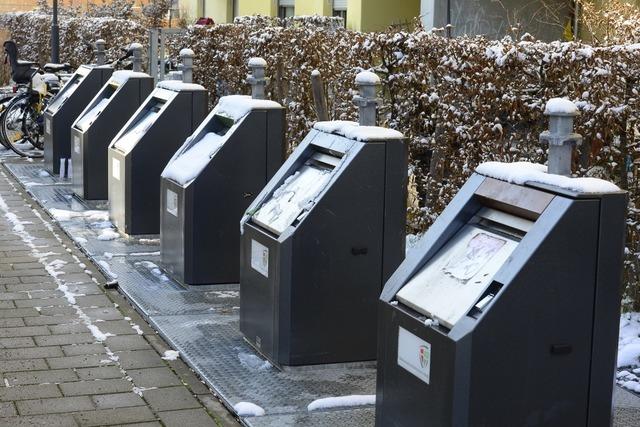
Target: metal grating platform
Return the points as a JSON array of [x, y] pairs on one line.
[[201, 322], [31, 173]]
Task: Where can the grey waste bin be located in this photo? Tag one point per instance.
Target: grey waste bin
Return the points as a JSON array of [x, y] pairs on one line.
[[506, 312], [209, 184], [142, 148], [320, 241], [96, 126], [65, 108]]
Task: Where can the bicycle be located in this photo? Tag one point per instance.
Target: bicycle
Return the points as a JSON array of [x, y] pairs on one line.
[[22, 121]]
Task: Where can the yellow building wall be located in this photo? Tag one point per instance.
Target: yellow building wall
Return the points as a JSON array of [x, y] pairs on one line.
[[314, 7], [376, 15], [258, 7], [220, 11]]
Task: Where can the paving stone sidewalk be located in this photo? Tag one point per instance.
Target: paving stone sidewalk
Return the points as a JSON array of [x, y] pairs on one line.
[[72, 353]]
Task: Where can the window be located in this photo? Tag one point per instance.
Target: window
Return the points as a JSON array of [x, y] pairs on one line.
[[340, 10], [286, 8], [285, 11]]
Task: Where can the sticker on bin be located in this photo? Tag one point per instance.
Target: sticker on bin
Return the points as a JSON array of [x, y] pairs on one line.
[[414, 354], [172, 202], [76, 144], [47, 125], [115, 168], [260, 258]]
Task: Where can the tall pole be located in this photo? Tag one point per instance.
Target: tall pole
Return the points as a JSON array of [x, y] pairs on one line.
[[55, 35]]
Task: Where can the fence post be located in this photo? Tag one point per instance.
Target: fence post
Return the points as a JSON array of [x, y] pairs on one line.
[[367, 101], [101, 55], [319, 98], [257, 79], [136, 51], [560, 136], [186, 57]]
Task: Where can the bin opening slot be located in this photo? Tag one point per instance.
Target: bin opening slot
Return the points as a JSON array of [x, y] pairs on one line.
[[293, 199], [503, 222], [66, 92], [453, 281], [90, 116], [484, 300], [140, 126]]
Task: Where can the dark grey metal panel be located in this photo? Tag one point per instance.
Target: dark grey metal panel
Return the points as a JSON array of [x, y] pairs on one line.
[[203, 240], [135, 206], [608, 293], [57, 142], [318, 303], [90, 156], [540, 318]]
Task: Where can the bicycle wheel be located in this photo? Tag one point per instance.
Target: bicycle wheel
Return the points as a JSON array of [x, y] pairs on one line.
[[33, 126], [13, 128], [4, 103]]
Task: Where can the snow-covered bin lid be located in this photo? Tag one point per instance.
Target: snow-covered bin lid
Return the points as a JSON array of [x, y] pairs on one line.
[[135, 46], [186, 52], [526, 172], [194, 156], [178, 86], [121, 76], [237, 106], [353, 130], [296, 194]]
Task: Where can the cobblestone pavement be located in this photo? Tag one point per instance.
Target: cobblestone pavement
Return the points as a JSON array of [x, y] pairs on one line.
[[72, 353]]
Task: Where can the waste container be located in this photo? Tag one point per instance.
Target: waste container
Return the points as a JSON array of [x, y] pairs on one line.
[[210, 182], [319, 242], [506, 312], [65, 108], [142, 148], [96, 126]]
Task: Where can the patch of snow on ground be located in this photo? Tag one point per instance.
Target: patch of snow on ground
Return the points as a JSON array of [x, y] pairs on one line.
[[629, 352], [43, 173], [248, 409], [225, 294], [523, 172], [137, 329], [254, 362], [342, 401], [81, 240], [157, 253], [629, 341], [107, 268], [140, 390], [65, 215], [108, 234], [149, 241], [98, 334], [153, 268], [170, 355]]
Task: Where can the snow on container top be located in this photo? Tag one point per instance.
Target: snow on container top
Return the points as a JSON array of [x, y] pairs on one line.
[[177, 85], [353, 130], [194, 155], [367, 78], [135, 46], [186, 52], [257, 62], [121, 76], [526, 172], [557, 106]]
